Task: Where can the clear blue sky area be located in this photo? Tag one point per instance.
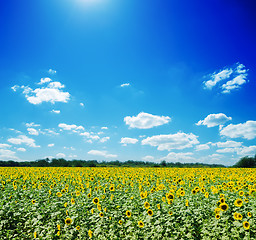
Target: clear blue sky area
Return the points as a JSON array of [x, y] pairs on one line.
[[143, 80]]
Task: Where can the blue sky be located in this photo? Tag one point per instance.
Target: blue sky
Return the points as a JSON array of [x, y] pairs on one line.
[[143, 80]]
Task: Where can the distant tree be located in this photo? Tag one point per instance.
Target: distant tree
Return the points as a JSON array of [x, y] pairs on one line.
[[246, 162]]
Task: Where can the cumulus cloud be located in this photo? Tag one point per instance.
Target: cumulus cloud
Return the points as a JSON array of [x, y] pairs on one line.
[[56, 111], [227, 144], [245, 151], [245, 130], [179, 157], [168, 142], [69, 127], [44, 80], [127, 140], [104, 139], [125, 85], [148, 158], [50, 145], [60, 155], [5, 145], [213, 120], [22, 139], [201, 147], [6, 154], [52, 72], [82, 104], [146, 120], [21, 149], [234, 77], [227, 150], [102, 154], [51, 93], [32, 131]]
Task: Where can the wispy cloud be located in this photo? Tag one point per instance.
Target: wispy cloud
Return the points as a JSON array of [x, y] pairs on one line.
[[234, 77]]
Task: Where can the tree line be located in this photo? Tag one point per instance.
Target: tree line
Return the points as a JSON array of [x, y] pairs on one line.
[[61, 162], [244, 162]]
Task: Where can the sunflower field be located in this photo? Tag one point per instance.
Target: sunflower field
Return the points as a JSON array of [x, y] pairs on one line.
[[127, 203]]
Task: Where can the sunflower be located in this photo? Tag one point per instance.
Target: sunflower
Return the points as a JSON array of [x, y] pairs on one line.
[[95, 200], [77, 193], [182, 193], [72, 200], [238, 202], [169, 196], [235, 215], [222, 200], [217, 216], [246, 225], [120, 222], [33, 201], [58, 194], [90, 233], [249, 214], [101, 214], [170, 213], [58, 227], [150, 212], [65, 204], [34, 234], [68, 221], [128, 213], [89, 195], [239, 216], [187, 203], [77, 228], [99, 207], [140, 224], [58, 233], [92, 210], [241, 193], [193, 191], [223, 206], [146, 205], [63, 190], [217, 210], [158, 206], [206, 194]]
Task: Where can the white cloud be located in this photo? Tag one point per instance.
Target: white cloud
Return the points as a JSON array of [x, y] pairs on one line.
[[72, 127], [51, 71], [6, 154], [32, 124], [104, 127], [125, 85], [102, 154], [213, 120], [32, 131], [245, 130], [217, 77], [72, 156], [21, 149], [50, 145], [227, 150], [234, 77], [15, 88], [227, 144], [202, 147], [51, 93], [148, 158], [245, 151], [179, 157], [146, 120], [60, 155], [56, 111], [178, 140], [5, 145], [50, 132], [127, 140], [44, 80], [82, 104], [104, 139], [22, 139]]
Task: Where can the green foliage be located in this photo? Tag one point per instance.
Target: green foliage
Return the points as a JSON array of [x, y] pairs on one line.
[[246, 162]]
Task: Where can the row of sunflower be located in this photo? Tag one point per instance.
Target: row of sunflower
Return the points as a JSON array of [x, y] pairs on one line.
[[127, 203]]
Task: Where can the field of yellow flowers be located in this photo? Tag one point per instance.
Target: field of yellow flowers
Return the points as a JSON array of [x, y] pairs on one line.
[[127, 203]]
